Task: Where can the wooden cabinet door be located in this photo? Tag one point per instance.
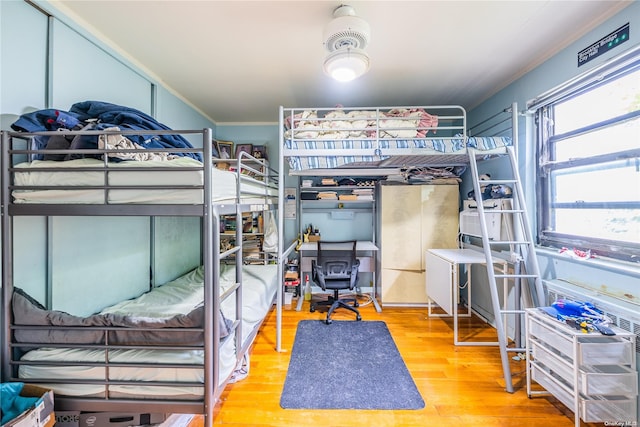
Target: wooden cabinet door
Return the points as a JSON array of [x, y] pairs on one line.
[[403, 287], [400, 219], [439, 218], [413, 219]]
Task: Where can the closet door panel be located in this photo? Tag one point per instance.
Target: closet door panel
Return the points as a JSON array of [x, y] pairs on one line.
[[177, 243], [400, 227], [30, 256], [83, 251], [83, 71], [23, 55]]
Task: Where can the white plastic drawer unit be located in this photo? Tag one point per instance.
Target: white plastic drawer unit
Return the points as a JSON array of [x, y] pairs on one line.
[[594, 375], [592, 410], [591, 349], [556, 362], [609, 411], [549, 381], [610, 380], [604, 350]]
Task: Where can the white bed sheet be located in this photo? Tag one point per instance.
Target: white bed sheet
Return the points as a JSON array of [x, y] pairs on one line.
[[177, 297], [224, 183]]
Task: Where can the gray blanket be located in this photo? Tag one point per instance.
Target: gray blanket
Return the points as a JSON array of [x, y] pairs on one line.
[[28, 311]]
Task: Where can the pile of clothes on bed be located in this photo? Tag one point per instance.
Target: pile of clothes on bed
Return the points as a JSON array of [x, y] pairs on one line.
[[98, 115], [340, 124]]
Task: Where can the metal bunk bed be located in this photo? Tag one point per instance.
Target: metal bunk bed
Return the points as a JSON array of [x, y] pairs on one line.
[[112, 193], [387, 141]]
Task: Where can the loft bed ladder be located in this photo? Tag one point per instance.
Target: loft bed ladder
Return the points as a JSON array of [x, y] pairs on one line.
[[526, 272]]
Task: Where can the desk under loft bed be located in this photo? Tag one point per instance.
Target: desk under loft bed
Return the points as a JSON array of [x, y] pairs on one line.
[[173, 348]]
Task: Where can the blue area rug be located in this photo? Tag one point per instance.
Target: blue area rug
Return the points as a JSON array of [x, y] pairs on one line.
[[347, 365]]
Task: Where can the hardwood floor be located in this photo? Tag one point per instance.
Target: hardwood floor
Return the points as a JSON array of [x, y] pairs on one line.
[[461, 386]]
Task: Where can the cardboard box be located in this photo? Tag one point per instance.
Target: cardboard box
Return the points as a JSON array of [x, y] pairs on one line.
[[40, 414], [291, 275], [347, 197], [118, 419]]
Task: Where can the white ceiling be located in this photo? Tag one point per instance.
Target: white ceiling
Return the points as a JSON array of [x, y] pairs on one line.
[[237, 61]]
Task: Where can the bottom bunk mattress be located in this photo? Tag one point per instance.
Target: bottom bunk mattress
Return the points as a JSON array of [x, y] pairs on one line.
[[175, 373]]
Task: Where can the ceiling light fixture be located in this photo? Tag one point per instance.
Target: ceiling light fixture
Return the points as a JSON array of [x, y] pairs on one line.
[[345, 38]]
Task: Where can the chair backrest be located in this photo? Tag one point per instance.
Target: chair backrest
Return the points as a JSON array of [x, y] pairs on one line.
[[336, 265]]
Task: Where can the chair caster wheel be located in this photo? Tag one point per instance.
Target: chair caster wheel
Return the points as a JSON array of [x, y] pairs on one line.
[[312, 309], [328, 321], [355, 304], [358, 317]]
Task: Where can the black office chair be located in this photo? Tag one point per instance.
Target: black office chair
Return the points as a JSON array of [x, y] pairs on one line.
[[336, 270]]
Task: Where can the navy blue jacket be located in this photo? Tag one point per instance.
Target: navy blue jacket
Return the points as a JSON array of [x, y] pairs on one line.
[[107, 115]]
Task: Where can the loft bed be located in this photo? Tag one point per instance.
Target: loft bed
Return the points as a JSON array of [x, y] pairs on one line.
[[404, 144], [381, 141], [175, 347]]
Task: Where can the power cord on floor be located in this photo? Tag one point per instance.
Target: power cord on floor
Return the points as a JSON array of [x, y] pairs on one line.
[[363, 299]]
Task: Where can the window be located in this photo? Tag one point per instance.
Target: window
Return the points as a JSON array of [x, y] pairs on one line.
[[589, 163]]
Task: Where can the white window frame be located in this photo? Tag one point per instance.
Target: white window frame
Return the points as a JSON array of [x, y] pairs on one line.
[[542, 107]]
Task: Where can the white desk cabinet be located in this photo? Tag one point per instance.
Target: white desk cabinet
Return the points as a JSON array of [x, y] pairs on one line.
[[594, 375], [413, 218], [442, 283]]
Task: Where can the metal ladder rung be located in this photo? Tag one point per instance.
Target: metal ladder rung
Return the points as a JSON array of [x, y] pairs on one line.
[[505, 211], [498, 181], [508, 242], [512, 312], [516, 349], [515, 276]]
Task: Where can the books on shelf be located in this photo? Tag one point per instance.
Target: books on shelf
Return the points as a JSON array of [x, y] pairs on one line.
[[328, 195], [363, 193]]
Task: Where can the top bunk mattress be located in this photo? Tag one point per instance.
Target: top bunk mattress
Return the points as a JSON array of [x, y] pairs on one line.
[[381, 137], [92, 181]]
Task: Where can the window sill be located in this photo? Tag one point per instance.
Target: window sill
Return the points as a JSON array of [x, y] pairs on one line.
[[609, 264]]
